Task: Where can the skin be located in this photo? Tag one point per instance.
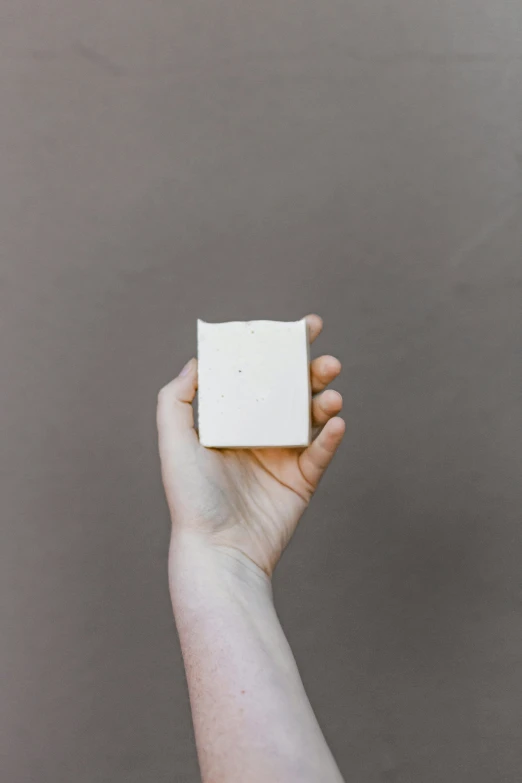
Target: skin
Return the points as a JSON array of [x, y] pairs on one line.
[[233, 513]]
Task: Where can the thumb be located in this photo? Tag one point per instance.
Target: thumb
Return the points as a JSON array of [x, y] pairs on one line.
[[175, 415]]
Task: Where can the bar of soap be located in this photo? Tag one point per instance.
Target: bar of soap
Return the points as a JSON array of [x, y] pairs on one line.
[[253, 384]]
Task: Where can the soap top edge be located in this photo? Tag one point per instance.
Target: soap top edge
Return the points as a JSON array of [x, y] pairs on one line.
[[249, 323]]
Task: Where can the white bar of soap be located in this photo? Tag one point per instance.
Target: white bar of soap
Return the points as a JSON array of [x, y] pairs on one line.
[[253, 384]]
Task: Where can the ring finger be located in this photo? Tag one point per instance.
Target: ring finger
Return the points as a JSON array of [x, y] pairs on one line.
[[325, 406]]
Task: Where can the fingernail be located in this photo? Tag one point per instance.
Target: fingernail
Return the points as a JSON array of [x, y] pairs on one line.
[[186, 369]]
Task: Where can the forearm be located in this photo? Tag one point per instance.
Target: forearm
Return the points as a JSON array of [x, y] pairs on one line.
[[252, 719]]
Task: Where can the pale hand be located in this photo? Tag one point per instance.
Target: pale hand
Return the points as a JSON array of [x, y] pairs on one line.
[[244, 501]]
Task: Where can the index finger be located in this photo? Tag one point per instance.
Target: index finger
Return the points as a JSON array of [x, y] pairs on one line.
[[315, 326]]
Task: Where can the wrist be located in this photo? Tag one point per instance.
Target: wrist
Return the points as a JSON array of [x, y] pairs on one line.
[[202, 574]]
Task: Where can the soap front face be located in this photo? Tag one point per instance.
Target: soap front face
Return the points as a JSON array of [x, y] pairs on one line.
[[253, 384]]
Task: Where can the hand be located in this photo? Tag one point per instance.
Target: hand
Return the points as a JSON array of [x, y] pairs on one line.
[[246, 501]]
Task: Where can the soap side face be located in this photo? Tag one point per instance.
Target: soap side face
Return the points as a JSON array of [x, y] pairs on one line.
[[254, 384]]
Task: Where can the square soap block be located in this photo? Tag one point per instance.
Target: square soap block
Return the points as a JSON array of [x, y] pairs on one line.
[[254, 384]]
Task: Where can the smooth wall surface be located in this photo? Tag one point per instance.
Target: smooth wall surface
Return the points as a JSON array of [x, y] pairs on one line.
[[163, 160]]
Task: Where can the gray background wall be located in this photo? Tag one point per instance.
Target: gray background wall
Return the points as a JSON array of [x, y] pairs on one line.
[[162, 161]]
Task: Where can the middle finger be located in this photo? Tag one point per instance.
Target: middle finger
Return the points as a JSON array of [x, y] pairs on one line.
[[323, 370]]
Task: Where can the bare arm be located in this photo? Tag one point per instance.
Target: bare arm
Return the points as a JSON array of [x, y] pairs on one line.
[[233, 512], [252, 718]]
